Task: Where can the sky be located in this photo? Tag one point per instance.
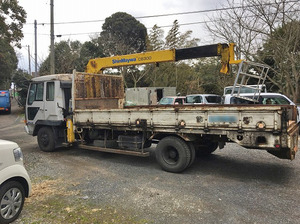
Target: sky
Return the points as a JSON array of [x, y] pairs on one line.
[[68, 11]]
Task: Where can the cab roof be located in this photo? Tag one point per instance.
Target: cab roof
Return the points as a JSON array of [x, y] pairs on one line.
[[60, 77]]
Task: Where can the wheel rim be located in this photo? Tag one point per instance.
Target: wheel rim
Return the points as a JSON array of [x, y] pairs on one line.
[[45, 139], [11, 203], [170, 155]]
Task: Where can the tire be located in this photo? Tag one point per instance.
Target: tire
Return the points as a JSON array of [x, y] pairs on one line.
[[173, 154], [207, 149], [46, 139], [12, 196], [193, 153]]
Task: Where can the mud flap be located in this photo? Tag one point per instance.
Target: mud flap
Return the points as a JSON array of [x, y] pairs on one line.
[[290, 152]]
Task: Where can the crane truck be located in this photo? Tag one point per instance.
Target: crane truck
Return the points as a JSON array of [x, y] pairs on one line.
[[87, 109]]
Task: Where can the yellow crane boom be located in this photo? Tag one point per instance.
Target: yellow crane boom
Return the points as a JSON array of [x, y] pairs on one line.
[[226, 52]]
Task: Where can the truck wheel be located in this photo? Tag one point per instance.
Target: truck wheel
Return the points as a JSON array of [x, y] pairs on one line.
[[206, 150], [46, 140], [173, 154], [193, 153], [12, 196]]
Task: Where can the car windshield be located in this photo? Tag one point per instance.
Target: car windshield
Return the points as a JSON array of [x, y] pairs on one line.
[[279, 100], [166, 101], [272, 100], [213, 99], [194, 99]]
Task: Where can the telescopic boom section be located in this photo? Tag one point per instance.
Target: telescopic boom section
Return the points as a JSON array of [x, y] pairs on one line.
[[226, 52]]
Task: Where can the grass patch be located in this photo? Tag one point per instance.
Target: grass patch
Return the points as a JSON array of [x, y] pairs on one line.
[[51, 202]]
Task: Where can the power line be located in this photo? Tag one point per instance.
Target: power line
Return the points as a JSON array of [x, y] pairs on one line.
[[169, 14], [165, 26]]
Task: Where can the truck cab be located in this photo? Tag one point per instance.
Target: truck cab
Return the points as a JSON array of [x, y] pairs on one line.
[[48, 103]]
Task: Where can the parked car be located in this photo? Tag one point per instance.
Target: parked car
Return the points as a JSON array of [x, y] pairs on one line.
[[264, 98], [203, 99], [170, 100], [5, 103], [15, 183]]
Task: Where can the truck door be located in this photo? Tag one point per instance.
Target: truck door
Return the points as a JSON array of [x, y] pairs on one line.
[[49, 104], [35, 106]]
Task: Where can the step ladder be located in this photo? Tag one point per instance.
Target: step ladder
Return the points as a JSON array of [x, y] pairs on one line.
[[247, 71]]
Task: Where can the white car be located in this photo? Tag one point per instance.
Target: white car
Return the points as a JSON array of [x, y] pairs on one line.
[[264, 98], [15, 183], [203, 99]]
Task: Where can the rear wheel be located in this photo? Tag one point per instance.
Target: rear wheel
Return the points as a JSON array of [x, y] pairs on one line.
[[173, 154], [193, 153], [46, 139], [12, 196]]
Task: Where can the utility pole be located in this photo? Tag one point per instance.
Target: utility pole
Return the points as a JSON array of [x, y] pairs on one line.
[[29, 67], [35, 49], [52, 61]]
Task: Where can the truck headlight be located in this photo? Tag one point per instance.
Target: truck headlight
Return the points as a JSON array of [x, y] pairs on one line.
[[18, 154]]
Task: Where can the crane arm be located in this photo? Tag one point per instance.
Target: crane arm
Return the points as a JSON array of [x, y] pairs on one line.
[[226, 52]]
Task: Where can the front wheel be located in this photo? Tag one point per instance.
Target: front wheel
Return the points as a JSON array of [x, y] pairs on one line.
[[12, 196], [173, 154], [46, 139]]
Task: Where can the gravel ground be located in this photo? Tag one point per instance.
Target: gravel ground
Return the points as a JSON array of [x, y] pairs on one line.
[[234, 185]]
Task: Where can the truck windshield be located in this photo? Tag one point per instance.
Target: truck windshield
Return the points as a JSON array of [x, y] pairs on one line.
[[35, 92]]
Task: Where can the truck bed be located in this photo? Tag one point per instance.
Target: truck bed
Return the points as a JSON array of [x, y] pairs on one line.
[[98, 103], [238, 123]]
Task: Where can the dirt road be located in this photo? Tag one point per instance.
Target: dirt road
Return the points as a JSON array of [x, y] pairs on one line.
[[234, 185]]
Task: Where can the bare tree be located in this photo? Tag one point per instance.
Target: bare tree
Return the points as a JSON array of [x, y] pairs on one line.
[[255, 25]]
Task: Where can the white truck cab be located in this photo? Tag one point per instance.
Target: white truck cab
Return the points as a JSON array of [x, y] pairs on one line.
[[47, 107]]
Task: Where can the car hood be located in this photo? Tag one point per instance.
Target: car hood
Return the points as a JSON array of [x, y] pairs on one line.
[[6, 145]]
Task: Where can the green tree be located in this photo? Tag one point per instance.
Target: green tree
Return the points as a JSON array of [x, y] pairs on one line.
[[123, 34], [155, 39], [210, 80], [8, 63], [89, 50], [66, 56], [178, 74], [282, 52], [172, 38], [176, 39], [21, 79], [12, 18]]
